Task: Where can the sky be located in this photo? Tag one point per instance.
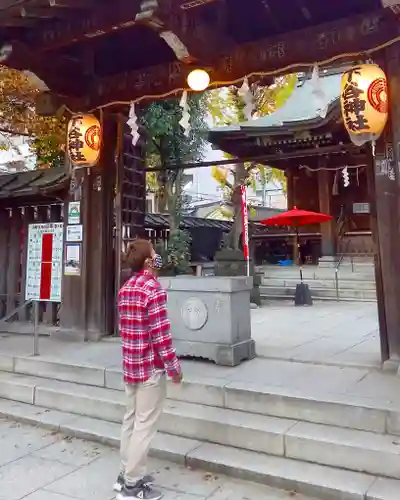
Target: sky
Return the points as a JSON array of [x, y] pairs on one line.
[[205, 188]]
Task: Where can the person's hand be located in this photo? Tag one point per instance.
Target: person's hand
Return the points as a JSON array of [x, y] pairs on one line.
[[177, 379]]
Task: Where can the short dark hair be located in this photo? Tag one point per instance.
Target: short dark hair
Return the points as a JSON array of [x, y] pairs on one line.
[[137, 253]]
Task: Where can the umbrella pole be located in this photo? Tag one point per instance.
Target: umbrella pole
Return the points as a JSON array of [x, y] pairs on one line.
[[299, 254]]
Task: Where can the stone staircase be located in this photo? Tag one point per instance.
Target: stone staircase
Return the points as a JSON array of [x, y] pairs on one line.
[[353, 284], [332, 449]]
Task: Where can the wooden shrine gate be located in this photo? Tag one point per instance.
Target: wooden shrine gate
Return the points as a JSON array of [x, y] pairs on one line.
[[130, 200], [13, 253], [75, 56], [20, 205], [112, 214]]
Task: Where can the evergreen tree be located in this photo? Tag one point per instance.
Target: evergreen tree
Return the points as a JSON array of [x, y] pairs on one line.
[[167, 144]]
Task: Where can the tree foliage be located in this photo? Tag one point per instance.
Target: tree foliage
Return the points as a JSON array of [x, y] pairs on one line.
[[167, 144], [18, 117], [226, 107]]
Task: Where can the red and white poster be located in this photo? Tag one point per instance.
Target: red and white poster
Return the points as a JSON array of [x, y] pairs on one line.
[[245, 227], [44, 262]]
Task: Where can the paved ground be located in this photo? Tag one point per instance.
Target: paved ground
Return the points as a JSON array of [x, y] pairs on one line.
[[40, 465], [344, 333], [329, 333]]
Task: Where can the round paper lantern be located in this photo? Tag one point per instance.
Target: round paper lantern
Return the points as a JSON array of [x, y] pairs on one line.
[[84, 140], [364, 102], [198, 79]]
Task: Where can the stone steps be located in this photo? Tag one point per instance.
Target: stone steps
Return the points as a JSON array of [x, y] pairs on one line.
[[313, 272], [318, 293], [333, 446], [328, 283], [295, 428], [20, 376], [280, 283], [319, 481]]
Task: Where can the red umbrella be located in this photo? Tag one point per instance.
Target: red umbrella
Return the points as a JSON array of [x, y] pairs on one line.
[[297, 218]]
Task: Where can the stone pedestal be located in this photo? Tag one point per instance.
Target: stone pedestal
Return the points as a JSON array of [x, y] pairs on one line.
[[232, 263], [210, 317]]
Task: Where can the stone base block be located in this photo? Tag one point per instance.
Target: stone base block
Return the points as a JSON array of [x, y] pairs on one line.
[[226, 355]]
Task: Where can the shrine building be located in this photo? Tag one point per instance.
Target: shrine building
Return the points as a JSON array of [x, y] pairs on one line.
[[325, 171], [97, 61]]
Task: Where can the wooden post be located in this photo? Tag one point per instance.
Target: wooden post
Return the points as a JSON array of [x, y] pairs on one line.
[[99, 235], [327, 231], [290, 186], [387, 181], [24, 314], [72, 312], [88, 299], [14, 260], [377, 258], [4, 246]]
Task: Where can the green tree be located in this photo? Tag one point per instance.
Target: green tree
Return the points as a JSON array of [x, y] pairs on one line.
[[167, 144], [227, 107], [18, 117]]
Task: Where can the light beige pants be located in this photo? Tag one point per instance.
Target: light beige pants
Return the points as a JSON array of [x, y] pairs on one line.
[[144, 406]]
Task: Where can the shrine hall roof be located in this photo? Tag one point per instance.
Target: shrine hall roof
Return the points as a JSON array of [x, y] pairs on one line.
[[32, 183], [303, 108]]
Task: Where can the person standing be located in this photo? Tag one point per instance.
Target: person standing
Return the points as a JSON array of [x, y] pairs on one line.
[[148, 356]]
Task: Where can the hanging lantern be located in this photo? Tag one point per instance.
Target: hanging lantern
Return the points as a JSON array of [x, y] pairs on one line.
[[84, 140], [198, 80], [364, 102]]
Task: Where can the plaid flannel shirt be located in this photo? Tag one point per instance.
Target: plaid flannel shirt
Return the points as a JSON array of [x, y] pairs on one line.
[[145, 329]]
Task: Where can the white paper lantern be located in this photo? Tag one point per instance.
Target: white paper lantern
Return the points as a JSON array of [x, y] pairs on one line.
[[364, 102], [198, 80], [84, 140]]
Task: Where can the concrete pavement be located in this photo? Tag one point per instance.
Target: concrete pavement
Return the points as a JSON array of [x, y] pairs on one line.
[[36, 464], [331, 333], [328, 333]]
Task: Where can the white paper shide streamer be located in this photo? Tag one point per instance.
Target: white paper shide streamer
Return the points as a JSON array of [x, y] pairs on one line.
[[133, 124], [346, 177], [247, 96], [185, 120], [5, 52]]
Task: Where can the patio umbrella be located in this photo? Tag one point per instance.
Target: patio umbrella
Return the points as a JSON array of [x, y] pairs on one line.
[[297, 218]]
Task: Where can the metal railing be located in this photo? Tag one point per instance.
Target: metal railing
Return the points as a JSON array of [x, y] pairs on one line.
[[342, 255], [352, 263]]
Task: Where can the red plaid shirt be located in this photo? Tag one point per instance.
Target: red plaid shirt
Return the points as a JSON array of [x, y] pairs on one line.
[[145, 329]]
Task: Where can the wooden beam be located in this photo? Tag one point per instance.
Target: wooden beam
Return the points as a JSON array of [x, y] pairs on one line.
[[16, 22], [297, 50], [192, 4], [204, 39], [100, 21], [192, 34], [71, 4], [7, 4], [59, 73], [45, 13], [341, 149]]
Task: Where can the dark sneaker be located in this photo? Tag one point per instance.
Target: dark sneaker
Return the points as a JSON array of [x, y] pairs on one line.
[[119, 484], [142, 490]]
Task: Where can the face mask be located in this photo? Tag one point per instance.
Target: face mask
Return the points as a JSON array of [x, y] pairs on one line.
[[157, 262]]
